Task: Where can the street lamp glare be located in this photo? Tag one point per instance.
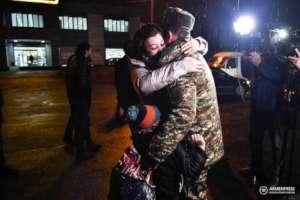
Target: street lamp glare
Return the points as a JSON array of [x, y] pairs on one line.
[[282, 33], [244, 25], [278, 35]]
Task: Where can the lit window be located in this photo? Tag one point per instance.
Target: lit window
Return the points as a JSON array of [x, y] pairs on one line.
[[27, 20], [35, 21], [119, 26], [30, 20], [19, 20], [84, 23], [66, 23], [122, 26], [80, 27], [41, 21], [14, 19], [60, 21], [111, 25], [106, 25], [126, 26], [114, 53], [73, 23]]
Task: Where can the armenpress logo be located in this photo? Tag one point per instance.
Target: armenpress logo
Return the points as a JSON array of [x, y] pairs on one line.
[[263, 190]]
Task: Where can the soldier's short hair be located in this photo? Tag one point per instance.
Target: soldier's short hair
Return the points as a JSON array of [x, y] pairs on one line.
[[178, 21]]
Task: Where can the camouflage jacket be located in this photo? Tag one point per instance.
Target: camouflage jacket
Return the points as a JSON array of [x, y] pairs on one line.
[[193, 109]]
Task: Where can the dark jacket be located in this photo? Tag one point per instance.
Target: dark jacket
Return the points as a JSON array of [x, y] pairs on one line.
[[179, 171], [267, 82], [126, 94], [78, 81]]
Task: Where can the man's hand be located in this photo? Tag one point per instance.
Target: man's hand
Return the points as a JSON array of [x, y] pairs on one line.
[[191, 64], [295, 59], [199, 141], [255, 58], [191, 47]]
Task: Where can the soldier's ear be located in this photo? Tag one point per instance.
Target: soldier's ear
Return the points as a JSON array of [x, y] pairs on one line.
[[168, 37]]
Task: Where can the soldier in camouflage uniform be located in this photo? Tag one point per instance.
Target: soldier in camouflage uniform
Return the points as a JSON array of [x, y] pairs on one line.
[[192, 102]]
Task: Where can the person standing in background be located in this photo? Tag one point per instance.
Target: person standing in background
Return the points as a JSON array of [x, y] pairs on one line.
[[265, 71], [5, 172], [78, 84]]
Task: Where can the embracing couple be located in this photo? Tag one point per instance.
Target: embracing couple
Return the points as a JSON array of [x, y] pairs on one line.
[[176, 130]]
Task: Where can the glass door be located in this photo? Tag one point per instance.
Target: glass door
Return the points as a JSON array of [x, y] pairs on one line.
[[30, 56]]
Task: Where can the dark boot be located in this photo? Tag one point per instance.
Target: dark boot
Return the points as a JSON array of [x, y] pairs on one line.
[[68, 137], [82, 153], [92, 147]]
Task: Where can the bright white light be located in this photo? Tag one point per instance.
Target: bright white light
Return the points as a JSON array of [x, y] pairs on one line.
[[244, 25], [282, 33], [278, 35]]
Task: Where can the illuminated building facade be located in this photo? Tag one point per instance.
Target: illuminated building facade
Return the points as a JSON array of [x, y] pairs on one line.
[[42, 35]]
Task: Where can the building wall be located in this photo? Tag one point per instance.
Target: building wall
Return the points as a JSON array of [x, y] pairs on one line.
[[63, 42], [96, 38]]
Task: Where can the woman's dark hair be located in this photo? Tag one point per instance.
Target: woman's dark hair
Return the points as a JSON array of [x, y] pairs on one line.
[[80, 50], [142, 35]]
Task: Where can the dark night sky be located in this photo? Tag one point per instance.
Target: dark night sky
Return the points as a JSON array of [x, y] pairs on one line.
[[289, 9]]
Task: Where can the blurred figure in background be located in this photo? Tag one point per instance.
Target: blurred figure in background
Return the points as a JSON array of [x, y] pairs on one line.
[[78, 84], [265, 71], [5, 172], [126, 95]]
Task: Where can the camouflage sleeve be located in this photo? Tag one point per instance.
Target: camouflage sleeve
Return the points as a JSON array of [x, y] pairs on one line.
[[203, 48], [179, 121], [171, 53], [174, 52]]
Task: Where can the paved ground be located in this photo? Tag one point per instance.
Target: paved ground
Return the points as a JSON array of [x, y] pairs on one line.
[[36, 112]]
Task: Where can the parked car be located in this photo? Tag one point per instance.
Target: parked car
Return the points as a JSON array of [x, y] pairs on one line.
[[227, 71]]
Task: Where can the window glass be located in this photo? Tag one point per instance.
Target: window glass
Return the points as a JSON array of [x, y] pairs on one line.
[[70, 22], [111, 53], [105, 25], [126, 26], [61, 22], [35, 21], [30, 20], [66, 22], [75, 23], [122, 26], [41, 21], [114, 26], [80, 27], [84, 24], [14, 19], [25, 20], [110, 25], [19, 20]]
